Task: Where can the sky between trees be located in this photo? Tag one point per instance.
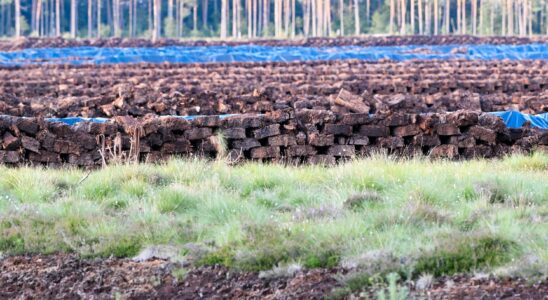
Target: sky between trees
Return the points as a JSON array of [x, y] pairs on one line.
[[269, 18]]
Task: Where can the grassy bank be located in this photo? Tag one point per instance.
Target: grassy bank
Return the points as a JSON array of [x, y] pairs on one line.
[[376, 215]]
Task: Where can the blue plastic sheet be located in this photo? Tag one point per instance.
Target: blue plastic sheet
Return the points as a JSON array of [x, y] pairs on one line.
[[515, 119], [512, 119], [255, 53], [75, 120]]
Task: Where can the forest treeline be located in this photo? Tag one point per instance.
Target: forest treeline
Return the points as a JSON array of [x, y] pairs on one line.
[[269, 18]]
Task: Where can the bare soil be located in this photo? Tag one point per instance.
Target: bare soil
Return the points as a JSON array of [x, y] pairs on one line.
[[69, 277]]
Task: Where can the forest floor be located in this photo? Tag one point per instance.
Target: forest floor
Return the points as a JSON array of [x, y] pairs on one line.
[[195, 228]]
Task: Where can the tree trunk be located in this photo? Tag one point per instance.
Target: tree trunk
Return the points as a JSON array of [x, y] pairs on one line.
[[474, 17], [412, 16], [436, 17], [57, 18], [156, 33], [73, 12], [328, 17], [266, 4], [341, 17], [509, 12], [392, 15], [224, 8], [98, 18], [463, 11], [368, 12], [492, 17], [428, 17], [421, 27], [293, 17], [255, 18], [38, 17], [116, 17], [17, 18], [90, 18], [403, 7], [447, 16], [195, 16], [357, 17], [480, 11], [306, 17]]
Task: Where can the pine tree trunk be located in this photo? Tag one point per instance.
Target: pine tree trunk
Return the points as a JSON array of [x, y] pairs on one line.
[[319, 17], [357, 17], [17, 18], [428, 17], [480, 11], [419, 6], [306, 17], [90, 18], [341, 17], [57, 17], [368, 12], [392, 13], [403, 7], [436, 17], [255, 18], [509, 12], [313, 17], [156, 33], [412, 16], [98, 18], [474, 17], [73, 12], [38, 16], [224, 8], [492, 17], [266, 4], [195, 16], [447, 16], [205, 12], [463, 11], [293, 17]]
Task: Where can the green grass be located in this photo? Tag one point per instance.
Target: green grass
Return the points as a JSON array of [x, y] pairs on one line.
[[377, 215]]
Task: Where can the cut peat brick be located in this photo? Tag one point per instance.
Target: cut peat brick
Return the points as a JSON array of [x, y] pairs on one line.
[[198, 133], [338, 129], [374, 130], [483, 134], [267, 131], [10, 142], [10, 157], [300, 150], [282, 140], [245, 144], [265, 152], [234, 133], [447, 129], [316, 139], [408, 130]]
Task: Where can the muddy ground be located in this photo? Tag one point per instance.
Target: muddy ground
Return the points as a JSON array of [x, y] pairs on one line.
[[68, 277]]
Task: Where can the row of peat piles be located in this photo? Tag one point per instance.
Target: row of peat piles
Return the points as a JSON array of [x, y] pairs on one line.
[[307, 135]]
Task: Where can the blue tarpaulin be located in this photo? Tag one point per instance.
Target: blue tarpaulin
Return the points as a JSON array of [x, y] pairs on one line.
[[515, 119], [255, 53], [75, 120], [512, 119]]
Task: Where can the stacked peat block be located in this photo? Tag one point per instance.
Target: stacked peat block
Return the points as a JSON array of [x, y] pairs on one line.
[[303, 136], [30, 42], [209, 89]]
